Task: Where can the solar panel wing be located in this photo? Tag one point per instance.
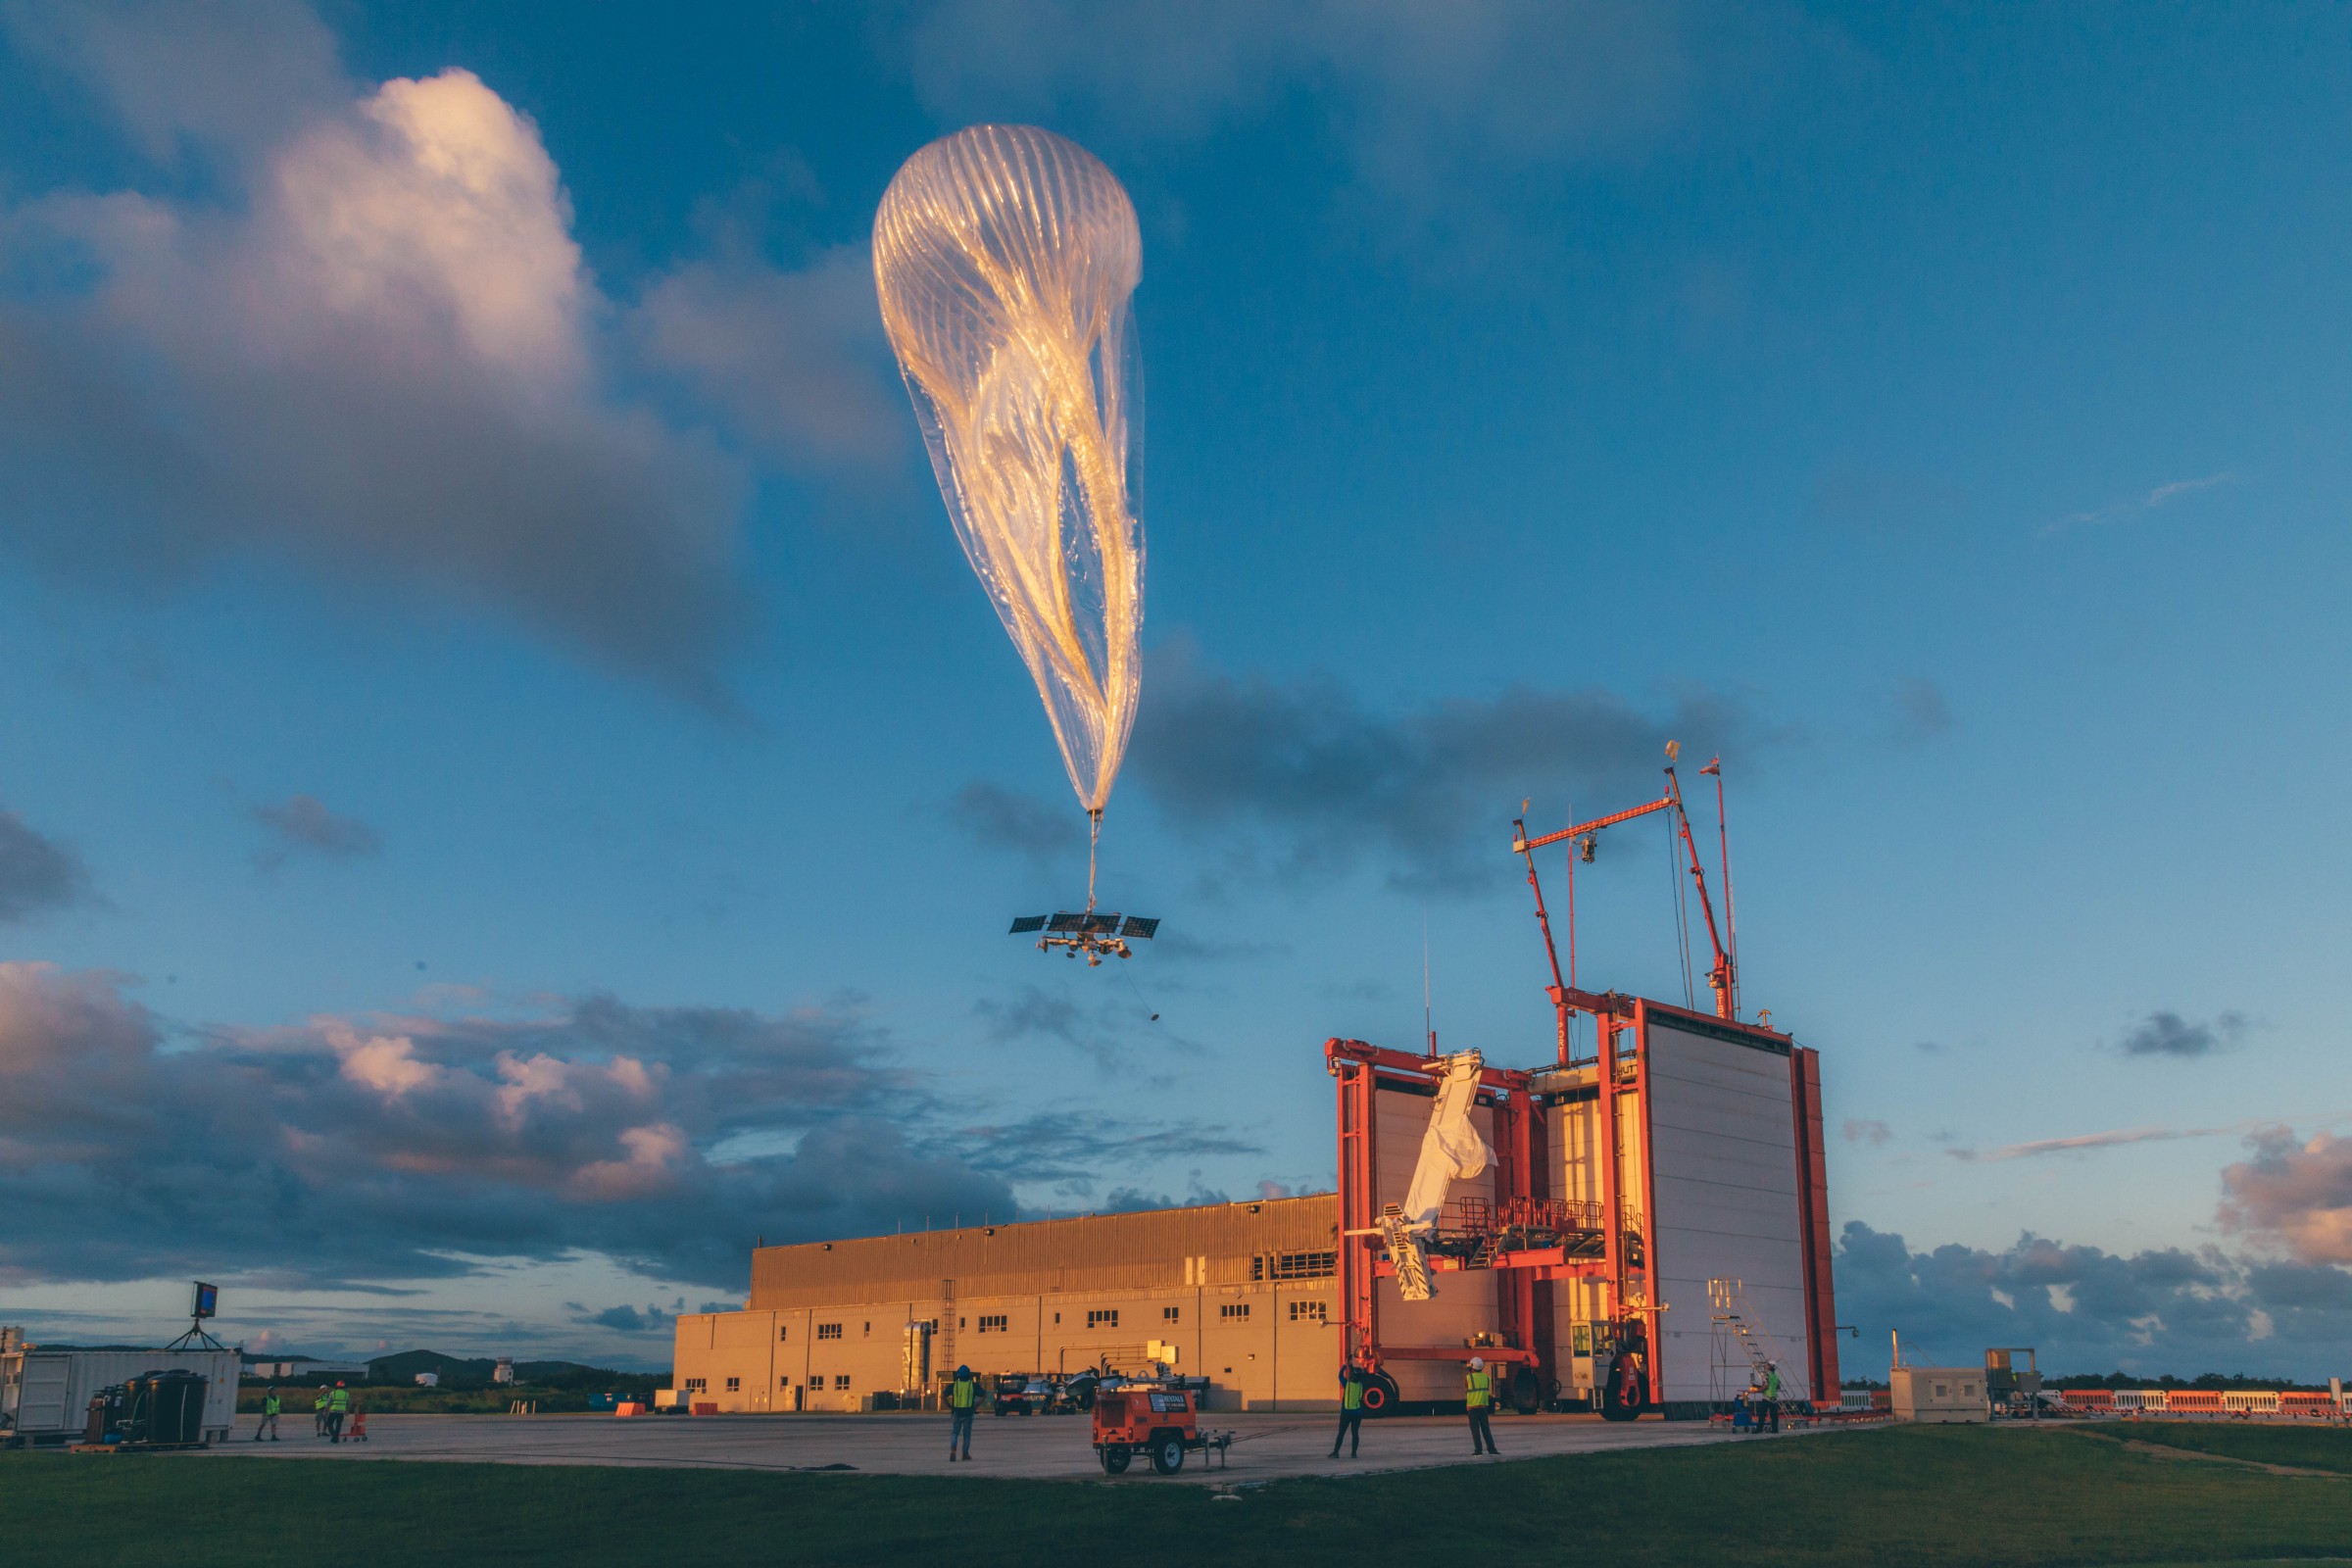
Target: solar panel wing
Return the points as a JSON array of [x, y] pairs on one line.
[[1026, 924], [1102, 925], [1140, 925], [1066, 921]]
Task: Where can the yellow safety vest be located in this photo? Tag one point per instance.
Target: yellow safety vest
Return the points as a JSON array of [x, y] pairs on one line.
[[339, 1402], [1352, 1397], [1477, 1396], [269, 1405], [962, 1396]]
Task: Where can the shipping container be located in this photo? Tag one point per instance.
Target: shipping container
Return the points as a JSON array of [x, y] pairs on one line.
[[1948, 1394], [45, 1395]]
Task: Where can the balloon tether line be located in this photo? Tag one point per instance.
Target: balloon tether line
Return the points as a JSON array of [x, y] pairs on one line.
[[1094, 839]]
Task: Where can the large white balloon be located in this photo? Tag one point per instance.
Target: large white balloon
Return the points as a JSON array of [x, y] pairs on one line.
[[1005, 257]]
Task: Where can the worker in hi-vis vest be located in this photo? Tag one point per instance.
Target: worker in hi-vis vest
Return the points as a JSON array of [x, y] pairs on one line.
[[1767, 1410], [338, 1403], [1351, 1409], [319, 1410], [1478, 1398], [268, 1417], [963, 1397]]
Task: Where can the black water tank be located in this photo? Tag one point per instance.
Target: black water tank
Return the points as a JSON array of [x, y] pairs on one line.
[[166, 1408]]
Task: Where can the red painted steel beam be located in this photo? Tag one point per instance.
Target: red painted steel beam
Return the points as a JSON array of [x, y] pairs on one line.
[[1652, 1279], [1593, 826], [1405, 1063], [1813, 1223], [1455, 1353], [1552, 1263]]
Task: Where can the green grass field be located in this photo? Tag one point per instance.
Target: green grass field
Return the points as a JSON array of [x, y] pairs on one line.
[[2310, 1447], [1929, 1495], [388, 1399]]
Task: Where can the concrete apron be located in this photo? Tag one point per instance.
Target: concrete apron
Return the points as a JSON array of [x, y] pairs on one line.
[[1266, 1446]]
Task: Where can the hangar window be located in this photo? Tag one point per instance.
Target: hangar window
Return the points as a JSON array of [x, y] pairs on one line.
[[817, 1382], [1170, 1314], [1293, 1266], [841, 1380], [1309, 1313], [734, 1385], [783, 1332], [870, 1328], [828, 1331], [992, 1323], [697, 1385], [1234, 1311], [1107, 1317], [783, 1383]]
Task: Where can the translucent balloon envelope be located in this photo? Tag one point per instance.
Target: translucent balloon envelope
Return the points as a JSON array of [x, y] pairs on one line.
[[1005, 257]]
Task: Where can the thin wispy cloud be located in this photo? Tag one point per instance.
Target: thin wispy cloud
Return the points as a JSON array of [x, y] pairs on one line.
[[2139, 506], [2118, 1137]]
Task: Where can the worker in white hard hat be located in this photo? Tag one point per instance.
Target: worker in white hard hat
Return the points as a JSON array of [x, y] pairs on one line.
[[1478, 1400], [1768, 1408]]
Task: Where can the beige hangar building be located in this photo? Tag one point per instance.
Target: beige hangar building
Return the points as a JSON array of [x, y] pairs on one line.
[[1242, 1294]]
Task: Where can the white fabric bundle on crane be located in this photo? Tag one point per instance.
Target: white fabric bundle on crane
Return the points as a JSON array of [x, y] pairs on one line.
[[1452, 1150]]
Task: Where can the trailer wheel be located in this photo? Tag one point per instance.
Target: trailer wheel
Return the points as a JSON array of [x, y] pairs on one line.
[[1168, 1453], [1115, 1461], [1527, 1391]]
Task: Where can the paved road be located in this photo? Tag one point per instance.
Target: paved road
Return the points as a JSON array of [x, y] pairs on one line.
[[1044, 1448]]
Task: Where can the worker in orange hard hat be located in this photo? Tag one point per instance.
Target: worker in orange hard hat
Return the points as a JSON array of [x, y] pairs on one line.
[[1478, 1400], [1768, 1408], [338, 1405]]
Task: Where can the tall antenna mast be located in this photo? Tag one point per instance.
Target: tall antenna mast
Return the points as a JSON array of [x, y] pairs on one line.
[[1731, 912], [1428, 1027]]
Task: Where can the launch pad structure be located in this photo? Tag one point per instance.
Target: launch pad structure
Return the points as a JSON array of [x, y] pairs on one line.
[[1684, 1154], [1588, 1214]]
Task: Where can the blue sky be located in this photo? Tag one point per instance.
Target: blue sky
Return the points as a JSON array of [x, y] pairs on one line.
[[517, 792]]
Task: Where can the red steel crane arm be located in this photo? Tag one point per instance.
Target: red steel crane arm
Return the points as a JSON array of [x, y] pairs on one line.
[[1526, 844], [1720, 976]]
